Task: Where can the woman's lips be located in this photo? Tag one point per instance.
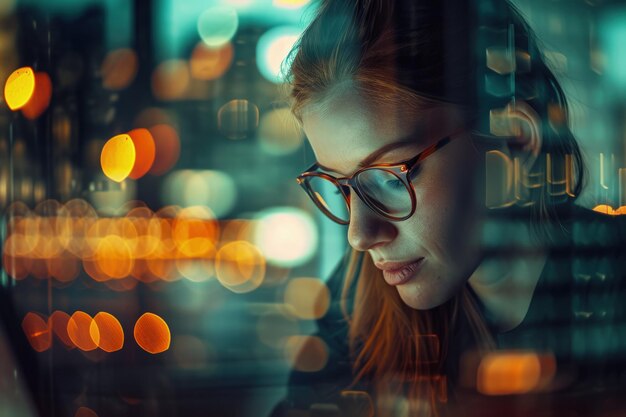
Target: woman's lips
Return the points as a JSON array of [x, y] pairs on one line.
[[398, 273]]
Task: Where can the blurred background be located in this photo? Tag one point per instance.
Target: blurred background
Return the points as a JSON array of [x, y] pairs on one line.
[[158, 256]]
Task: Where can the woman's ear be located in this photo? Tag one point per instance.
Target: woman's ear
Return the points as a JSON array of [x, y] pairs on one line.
[[526, 140]]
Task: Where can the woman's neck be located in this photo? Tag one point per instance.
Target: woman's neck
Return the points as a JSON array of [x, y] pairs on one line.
[[506, 286]]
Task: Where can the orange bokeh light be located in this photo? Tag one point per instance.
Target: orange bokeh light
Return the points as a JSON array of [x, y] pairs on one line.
[[145, 152], [78, 329], [57, 323], [108, 330], [64, 268], [606, 209], [91, 268], [119, 68], [40, 99], [167, 148], [142, 273], [195, 232], [85, 412], [506, 373], [152, 116], [210, 63], [17, 244], [19, 88], [17, 267], [36, 330], [170, 80], [25, 232], [38, 268], [162, 267], [117, 158], [152, 333]]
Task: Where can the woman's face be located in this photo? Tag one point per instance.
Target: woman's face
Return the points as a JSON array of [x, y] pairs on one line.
[[443, 233]]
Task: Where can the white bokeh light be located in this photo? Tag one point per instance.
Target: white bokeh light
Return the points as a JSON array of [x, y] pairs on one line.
[[286, 236], [209, 188], [272, 50]]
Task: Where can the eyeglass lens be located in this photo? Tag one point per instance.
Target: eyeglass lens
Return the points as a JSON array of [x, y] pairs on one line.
[[381, 189]]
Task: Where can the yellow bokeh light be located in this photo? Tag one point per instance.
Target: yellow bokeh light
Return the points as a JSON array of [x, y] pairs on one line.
[[280, 132], [19, 88], [606, 209], [198, 269], [306, 353], [114, 257], [240, 266], [308, 298], [195, 231], [118, 157], [290, 4]]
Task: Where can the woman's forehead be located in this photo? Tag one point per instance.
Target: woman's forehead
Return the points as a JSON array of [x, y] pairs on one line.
[[346, 129]]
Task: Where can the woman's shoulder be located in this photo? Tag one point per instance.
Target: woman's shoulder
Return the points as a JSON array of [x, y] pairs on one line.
[[594, 254], [577, 312]]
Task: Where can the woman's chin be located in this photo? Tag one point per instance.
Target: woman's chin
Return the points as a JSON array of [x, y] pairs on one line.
[[420, 298]]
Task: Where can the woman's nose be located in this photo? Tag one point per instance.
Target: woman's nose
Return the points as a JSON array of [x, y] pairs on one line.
[[367, 229]]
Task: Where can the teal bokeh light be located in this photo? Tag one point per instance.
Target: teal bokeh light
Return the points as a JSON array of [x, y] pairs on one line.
[[613, 38], [217, 25]]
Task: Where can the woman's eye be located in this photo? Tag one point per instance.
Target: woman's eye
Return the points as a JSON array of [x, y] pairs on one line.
[[394, 184]]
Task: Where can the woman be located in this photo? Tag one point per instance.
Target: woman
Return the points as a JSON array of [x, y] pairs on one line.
[[441, 141]]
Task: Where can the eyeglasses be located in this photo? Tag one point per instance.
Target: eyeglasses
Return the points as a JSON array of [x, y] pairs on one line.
[[384, 188]]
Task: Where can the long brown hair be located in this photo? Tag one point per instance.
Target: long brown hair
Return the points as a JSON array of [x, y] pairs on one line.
[[400, 350], [414, 54]]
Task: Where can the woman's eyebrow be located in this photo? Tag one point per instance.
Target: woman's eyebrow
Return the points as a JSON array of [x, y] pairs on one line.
[[376, 155]]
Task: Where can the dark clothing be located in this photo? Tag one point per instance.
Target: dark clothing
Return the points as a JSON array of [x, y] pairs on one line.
[[577, 312]]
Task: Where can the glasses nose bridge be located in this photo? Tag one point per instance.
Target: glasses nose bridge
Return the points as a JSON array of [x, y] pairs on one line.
[[347, 181], [352, 182]]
